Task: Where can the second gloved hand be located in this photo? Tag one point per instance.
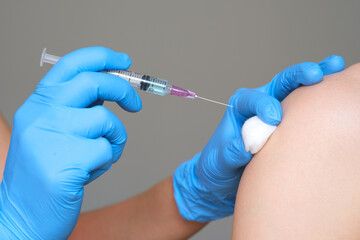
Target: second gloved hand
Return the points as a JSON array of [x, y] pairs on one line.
[[59, 144], [205, 186]]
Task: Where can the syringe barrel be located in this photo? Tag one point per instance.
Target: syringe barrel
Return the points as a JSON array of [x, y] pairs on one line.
[[143, 82]]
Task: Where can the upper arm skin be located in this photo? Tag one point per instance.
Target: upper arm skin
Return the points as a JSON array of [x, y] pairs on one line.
[[5, 134], [305, 182]]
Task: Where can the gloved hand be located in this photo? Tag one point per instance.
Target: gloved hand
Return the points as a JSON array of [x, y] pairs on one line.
[[205, 187], [59, 144]]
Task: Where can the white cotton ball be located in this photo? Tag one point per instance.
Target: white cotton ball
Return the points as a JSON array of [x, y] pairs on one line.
[[255, 133]]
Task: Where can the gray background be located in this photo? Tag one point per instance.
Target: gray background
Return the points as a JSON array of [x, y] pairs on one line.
[[211, 47]]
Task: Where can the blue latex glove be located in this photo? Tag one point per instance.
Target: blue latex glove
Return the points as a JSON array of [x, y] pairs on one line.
[[59, 144], [205, 186]]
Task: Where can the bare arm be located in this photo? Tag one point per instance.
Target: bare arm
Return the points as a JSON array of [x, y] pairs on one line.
[[5, 134], [150, 215], [304, 184]]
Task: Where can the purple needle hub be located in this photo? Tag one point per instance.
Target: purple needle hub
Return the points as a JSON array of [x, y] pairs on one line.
[[184, 93]]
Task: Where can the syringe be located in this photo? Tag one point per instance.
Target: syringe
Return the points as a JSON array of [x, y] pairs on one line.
[[140, 81]]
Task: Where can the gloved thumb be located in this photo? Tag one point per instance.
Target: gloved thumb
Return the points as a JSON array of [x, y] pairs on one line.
[[234, 156]]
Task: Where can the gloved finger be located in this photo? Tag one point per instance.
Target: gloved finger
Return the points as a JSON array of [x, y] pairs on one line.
[[97, 173], [100, 161], [332, 64], [288, 80], [249, 102], [306, 73], [92, 155], [98, 122], [96, 103], [92, 59], [234, 155], [89, 87]]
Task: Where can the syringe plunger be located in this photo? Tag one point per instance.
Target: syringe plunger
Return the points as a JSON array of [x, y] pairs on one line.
[[48, 58]]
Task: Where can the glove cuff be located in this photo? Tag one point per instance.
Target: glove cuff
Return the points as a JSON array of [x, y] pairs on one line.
[[5, 232], [9, 228], [195, 202]]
